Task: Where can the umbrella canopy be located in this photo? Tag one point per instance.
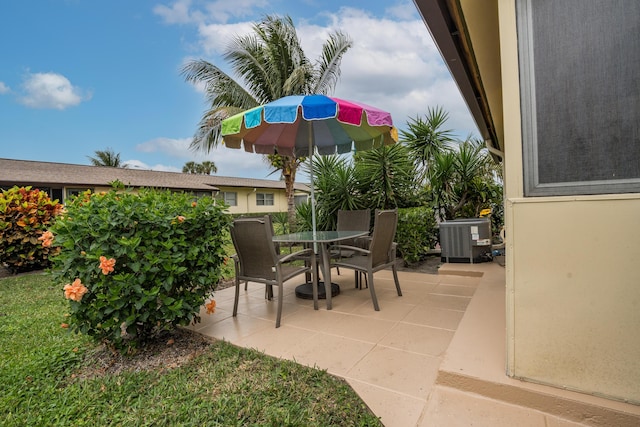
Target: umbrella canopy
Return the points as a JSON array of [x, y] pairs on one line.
[[295, 125], [298, 125]]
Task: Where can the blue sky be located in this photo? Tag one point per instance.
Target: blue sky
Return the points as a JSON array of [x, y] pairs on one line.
[[79, 76]]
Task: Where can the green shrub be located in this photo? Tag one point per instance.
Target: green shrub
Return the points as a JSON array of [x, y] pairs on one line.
[[416, 233], [25, 215], [140, 263]]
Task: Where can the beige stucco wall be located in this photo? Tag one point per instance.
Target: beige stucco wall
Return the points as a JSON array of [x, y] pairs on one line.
[[573, 271], [247, 200]]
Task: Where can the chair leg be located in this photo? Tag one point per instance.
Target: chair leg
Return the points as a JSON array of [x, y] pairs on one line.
[[235, 301], [280, 289], [314, 282], [373, 292], [246, 285], [358, 279], [395, 279]]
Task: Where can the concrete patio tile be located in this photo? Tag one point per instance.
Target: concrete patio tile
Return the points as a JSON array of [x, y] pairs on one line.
[[406, 373], [452, 279], [559, 422], [233, 329], [394, 409], [363, 328], [416, 285], [435, 317], [267, 310], [457, 290], [391, 310], [450, 302], [345, 303], [334, 353], [418, 339], [448, 407], [277, 342], [321, 320]]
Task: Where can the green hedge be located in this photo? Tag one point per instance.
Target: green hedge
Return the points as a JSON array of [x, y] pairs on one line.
[[416, 233]]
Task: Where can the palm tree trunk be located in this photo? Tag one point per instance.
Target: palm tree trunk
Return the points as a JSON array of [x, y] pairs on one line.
[[289, 173]]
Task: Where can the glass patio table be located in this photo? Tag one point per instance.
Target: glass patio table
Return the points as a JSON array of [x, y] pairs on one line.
[[321, 239]]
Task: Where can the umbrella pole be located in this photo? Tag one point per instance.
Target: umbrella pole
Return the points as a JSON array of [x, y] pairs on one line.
[[313, 198]]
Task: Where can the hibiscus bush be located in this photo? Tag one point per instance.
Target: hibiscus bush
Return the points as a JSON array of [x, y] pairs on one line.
[[136, 264], [25, 215]]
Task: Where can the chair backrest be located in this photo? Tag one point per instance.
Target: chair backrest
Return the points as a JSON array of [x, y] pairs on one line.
[[384, 231], [355, 220], [252, 239]]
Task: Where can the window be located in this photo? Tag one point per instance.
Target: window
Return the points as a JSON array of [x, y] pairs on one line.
[[300, 200], [230, 198], [580, 93], [56, 194], [71, 192], [264, 199]]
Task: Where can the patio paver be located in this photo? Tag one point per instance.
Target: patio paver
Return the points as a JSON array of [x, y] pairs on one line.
[[393, 358]]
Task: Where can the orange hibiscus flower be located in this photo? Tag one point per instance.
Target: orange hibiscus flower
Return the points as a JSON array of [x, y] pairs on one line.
[[106, 265], [75, 291], [180, 218], [46, 238], [211, 306]]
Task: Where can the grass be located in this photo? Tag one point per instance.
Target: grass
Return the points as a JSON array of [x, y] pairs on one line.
[[224, 386]]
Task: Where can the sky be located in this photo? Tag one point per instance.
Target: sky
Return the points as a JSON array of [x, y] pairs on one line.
[[78, 76]]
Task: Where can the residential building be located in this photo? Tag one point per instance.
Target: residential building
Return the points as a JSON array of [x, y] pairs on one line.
[[62, 180], [555, 91]]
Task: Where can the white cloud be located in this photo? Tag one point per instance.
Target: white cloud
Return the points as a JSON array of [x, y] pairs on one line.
[[215, 38], [4, 88], [177, 13], [404, 11], [51, 90], [393, 65], [223, 10], [182, 12], [137, 164], [172, 147], [228, 161]]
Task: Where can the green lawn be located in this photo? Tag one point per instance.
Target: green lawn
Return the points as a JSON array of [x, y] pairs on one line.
[[225, 386]]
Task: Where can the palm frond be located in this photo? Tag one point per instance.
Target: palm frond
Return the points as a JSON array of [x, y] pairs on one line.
[[328, 65]]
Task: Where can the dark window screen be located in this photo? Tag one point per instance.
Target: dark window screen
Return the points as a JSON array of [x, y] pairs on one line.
[[581, 116]]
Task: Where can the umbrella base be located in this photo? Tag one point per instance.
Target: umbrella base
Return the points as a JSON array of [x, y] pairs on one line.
[[305, 291]]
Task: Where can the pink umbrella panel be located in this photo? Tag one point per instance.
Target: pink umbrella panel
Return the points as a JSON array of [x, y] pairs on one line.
[[293, 125]]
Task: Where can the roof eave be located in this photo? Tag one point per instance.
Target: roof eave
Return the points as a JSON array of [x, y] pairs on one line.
[[444, 20]]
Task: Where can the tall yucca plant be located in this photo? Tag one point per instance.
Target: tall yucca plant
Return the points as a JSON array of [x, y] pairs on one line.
[[426, 137], [269, 63]]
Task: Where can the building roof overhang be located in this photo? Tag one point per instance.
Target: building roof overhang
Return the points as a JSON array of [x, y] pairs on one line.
[[445, 20]]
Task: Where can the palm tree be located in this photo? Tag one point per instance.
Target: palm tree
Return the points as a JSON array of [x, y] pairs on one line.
[[270, 64], [204, 168], [190, 167], [107, 158], [207, 168]]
